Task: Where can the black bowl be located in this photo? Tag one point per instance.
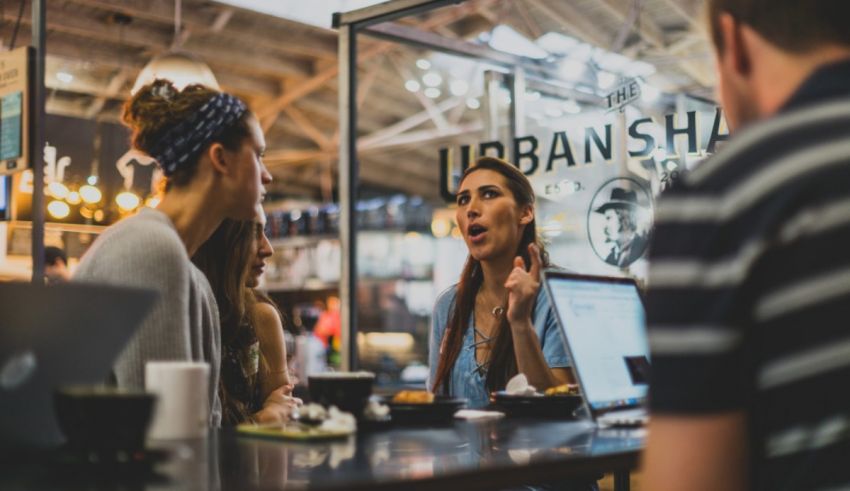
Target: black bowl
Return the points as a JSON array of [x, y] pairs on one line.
[[103, 418], [441, 411], [348, 391], [549, 407]]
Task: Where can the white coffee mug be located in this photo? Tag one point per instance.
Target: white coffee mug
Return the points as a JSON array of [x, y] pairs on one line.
[[182, 410]]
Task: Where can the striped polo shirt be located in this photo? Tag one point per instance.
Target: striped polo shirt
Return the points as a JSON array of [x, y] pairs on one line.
[[749, 289]]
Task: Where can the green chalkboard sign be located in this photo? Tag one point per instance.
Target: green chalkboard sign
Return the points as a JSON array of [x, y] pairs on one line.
[[11, 125]]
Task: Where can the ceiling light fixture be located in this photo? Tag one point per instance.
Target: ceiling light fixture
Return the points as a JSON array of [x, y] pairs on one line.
[[64, 77], [432, 79], [458, 87], [412, 86], [178, 66]]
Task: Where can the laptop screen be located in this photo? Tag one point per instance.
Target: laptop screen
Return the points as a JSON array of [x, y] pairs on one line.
[[604, 324], [4, 199]]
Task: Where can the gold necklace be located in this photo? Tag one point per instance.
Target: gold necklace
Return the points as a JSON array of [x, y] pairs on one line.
[[498, 311]]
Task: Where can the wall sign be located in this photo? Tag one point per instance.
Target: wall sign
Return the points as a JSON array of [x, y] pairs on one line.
[[619, 221], [623, 95], [14, 109], [595, 176], [533, 158]]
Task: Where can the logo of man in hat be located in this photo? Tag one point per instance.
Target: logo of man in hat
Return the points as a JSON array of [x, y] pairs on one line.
[[621, 230]]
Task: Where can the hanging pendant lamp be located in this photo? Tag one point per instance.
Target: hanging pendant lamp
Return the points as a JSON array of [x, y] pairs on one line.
[[176, 65]]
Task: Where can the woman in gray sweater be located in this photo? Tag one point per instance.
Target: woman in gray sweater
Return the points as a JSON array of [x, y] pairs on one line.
[[210, 148]]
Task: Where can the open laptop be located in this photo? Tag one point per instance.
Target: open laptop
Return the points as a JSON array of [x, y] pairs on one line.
[[51, 336], [603, 324]]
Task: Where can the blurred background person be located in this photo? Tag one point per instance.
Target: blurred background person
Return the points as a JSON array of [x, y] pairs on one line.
[[56, 265]]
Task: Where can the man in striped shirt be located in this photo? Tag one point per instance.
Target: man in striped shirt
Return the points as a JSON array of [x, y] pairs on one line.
[[749, 280]]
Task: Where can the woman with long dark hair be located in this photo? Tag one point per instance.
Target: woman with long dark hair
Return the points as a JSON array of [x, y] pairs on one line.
[[255, 384], [496, 321]]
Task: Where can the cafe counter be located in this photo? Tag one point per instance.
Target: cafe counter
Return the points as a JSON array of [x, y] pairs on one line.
[[495, 454]]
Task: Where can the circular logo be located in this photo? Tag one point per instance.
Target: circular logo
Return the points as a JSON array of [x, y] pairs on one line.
[[619, 221]]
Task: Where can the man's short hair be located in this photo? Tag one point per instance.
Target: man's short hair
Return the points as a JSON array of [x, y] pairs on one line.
[[796, 26], [51, 254]]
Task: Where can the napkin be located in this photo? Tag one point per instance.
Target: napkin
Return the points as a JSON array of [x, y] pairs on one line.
[[518, 386], [477, 414], [339, 421]]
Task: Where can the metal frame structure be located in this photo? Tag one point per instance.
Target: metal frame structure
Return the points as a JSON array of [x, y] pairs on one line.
[[350, 24], [520, 73], [368, 21], [36, 137]]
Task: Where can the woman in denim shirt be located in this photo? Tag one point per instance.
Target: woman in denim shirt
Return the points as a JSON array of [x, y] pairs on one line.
[[496, 322]]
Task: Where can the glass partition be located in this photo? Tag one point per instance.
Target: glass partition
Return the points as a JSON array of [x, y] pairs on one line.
[[599, 126]]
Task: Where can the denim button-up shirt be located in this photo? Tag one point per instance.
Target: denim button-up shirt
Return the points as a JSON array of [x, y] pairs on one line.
[[466, 380]]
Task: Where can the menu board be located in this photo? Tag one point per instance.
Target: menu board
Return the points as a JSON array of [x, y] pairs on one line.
[[11, 126], [14, 103]]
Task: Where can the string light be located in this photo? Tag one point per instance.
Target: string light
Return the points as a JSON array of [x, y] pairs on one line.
[[58, 209], [73, 198], [58, 190], [127, 201], [90, 194]]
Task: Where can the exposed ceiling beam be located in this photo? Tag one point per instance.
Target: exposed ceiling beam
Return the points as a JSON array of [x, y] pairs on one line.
[[645, 26], [307, 127], [441, 18], [113, 91], [650, 32], [408, 123], [434, 114], [687, 14], [277, 158], [574, 20], [419, 137], [221, 20], [82, 52], [216, 52], [200, 18]]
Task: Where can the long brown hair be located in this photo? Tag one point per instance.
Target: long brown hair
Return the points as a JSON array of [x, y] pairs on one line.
[[502, 360], [225, 259]]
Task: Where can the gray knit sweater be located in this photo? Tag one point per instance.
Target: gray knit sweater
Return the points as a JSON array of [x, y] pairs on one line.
[[145, 251]]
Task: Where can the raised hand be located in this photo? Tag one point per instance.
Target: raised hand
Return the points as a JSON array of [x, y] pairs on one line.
[[523, 286]]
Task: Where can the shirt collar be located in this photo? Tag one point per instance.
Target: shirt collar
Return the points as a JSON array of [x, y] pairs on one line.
[[830, 81]]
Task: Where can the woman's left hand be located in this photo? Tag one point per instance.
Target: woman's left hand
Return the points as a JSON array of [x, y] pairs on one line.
[[522, 287], [278, 407]]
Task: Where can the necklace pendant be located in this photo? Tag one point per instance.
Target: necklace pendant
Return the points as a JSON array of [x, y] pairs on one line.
[[498, 311]]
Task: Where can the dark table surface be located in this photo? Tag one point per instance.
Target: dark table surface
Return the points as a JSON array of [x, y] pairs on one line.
[[494, 454]]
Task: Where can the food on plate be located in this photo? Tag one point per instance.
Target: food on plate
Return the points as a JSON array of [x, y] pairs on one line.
[[413, 397], [518, 386], [562, 390], [311, 414]]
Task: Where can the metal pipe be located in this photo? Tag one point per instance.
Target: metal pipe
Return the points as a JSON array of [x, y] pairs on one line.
[[36, 137], [387, 11], [517, 109], [348, 178]]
